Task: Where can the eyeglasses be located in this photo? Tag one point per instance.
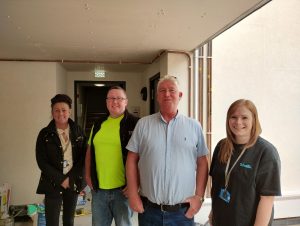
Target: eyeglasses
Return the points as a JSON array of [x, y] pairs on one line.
[[119, 99], [167, 90]]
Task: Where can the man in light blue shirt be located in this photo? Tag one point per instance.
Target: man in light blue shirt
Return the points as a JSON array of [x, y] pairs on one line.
[[167, 167]]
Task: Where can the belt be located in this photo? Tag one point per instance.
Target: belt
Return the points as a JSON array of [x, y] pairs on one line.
[[113, 189], [166, 208]]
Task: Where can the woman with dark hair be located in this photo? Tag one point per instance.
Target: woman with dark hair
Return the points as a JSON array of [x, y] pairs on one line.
[[245, 171], [60, 153]]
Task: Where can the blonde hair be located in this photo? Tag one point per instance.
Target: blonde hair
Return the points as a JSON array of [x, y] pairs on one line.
[[227, 143]]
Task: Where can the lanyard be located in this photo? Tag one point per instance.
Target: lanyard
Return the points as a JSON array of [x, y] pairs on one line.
[[67, 145], [64, 138], [227, 174]]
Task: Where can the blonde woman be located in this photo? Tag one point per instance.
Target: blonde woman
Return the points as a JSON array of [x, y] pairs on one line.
[[245, 171]]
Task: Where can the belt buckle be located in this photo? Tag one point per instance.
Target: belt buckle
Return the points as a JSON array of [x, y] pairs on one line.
[[169, 208]]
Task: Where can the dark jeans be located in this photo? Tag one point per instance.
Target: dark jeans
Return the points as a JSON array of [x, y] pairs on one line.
[[53, 206], [155, 217]]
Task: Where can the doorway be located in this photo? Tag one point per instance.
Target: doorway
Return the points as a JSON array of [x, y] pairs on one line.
[[90, 101], [153, 89]]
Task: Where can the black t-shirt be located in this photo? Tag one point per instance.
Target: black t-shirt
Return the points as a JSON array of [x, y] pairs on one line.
[[256, 173]]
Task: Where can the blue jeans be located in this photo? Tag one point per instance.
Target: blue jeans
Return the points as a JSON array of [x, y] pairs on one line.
[[108, 205], [156, 217]]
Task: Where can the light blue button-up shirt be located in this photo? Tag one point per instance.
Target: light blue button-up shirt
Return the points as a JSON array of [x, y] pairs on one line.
[[168, 157]]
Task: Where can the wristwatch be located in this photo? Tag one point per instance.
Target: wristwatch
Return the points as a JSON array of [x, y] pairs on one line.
[[201, 198]]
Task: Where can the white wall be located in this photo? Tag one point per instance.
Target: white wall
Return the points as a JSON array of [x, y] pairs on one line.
[[61, 80], [25, 93], [159, 66], [259, 59], [174, 64], [178, 66]]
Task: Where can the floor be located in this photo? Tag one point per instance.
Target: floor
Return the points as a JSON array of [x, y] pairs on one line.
[[84, 218], [285, 222], [87, 220]]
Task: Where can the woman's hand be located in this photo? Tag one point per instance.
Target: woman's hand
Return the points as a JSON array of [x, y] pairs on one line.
[[65, 184]]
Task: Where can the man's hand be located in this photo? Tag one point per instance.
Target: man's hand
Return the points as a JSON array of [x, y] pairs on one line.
[[88, 178], [89, 182], [195, 205], [125, 192]]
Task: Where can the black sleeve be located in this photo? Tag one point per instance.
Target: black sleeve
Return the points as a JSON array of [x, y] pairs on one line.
[[47, 168], [214, 158], [268, 174]]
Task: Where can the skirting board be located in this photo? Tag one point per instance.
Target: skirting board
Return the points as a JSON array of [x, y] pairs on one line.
[[287, 205]]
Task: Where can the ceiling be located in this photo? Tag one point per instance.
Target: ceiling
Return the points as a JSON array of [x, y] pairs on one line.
[[128, 33]]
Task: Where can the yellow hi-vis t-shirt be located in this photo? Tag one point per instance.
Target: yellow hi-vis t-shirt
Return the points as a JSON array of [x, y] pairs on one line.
[[108, 151]]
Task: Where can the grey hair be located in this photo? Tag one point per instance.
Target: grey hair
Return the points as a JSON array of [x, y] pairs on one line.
[[168, 78]]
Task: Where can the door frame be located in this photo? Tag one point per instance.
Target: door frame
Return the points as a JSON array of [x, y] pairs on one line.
[[79, 84]]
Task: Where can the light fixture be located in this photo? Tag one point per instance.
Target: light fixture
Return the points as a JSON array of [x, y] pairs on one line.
[[99, 84]]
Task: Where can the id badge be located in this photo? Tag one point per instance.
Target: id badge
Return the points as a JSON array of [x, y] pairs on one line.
[[224, 195], [65, 163]]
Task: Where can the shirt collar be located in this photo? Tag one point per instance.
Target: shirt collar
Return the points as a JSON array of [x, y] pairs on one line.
[[61, 131], [162, 118]]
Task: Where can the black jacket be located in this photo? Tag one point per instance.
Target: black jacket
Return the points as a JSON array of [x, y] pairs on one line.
[[49, 156], [127, 125]]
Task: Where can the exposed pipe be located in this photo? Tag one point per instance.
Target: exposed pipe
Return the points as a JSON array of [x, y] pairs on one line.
[[75, 61], [209, 95], [200, 85]]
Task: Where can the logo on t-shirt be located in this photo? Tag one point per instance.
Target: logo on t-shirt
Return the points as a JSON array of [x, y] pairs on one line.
[[245, 165]]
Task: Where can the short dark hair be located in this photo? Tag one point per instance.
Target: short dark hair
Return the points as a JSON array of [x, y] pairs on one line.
[[117, 87], [61, 98]]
